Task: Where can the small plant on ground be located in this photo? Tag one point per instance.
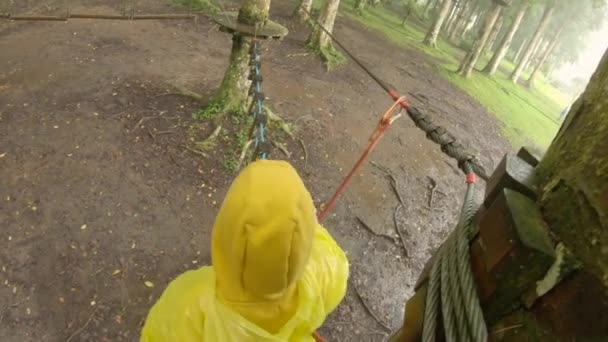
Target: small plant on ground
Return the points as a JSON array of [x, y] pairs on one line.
[[230, 164], [209, 112]]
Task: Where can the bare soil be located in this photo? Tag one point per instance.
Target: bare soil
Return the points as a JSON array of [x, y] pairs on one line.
[[98, 195]]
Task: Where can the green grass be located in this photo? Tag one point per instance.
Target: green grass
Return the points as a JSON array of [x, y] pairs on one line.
[[528, 115]]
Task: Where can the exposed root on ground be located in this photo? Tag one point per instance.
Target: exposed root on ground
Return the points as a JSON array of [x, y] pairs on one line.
[[305, 153], [368, 308], [244, 153], [182, 91], [281, 148], [371, 230], [276, 120], [210, 142]]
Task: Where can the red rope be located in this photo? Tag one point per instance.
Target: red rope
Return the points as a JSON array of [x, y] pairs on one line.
[[386, 120]]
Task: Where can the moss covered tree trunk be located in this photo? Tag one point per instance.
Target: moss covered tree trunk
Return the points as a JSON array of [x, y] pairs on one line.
[[303, 7], [540, 29], [574, 175], [318, 40], [232, 94], [431, 36], [501, 51], [470, 59]]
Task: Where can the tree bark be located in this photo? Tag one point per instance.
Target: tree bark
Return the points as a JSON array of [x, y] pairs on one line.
[[232, 94], [431, 36], [467, 23], [452, 16], [468, 62], [544, 21], [493, 35], [299, 11], [318, 40], [522, 46], [546, 54], [501, 51], [535, 52], [461, 21], [574, 178]]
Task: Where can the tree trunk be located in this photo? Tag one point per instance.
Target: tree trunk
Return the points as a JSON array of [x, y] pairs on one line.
[[461, 21], [232, 94], [318, 40], [431, 36], [544, 21], [468, 62], [546, 54], [574, 178], [493, 35], [305, 5], [518, 54], [360, 6], [467, 24], [499, 54], [452, 16], [535, 52]]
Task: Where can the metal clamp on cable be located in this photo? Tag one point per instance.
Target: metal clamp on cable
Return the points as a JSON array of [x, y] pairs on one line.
[[261, 119], [258, 96], [255, 77], [262, 150]]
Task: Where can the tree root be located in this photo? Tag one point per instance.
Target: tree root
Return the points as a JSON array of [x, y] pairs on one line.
[[279, 122], [244, 153], [369, 229], [305, 153], [210, 142], [369, 309], [195, 151], [281, 148]]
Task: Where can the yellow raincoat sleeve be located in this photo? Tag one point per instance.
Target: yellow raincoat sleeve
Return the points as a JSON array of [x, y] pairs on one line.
[[178, 315], [332, 269]]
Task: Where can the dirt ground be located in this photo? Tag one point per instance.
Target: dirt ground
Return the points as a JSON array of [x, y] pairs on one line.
[[99, 200]]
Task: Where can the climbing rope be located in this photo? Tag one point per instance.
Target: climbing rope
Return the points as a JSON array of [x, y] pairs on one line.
[[257, 109], [435, 133], [385, 121], [451, 282]]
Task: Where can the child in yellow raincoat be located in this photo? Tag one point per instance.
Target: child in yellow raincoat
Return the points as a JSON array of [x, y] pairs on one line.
[[276, 272]]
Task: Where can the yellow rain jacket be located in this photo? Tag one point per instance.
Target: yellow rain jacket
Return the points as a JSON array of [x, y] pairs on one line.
[[276, 272]]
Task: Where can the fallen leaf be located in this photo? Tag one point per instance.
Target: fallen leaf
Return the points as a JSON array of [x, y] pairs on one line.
[[83, 227], [115, 272], [149, 283], [3, 154]]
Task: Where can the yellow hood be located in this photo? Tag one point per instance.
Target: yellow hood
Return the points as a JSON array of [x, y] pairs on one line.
[[262, 241]]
